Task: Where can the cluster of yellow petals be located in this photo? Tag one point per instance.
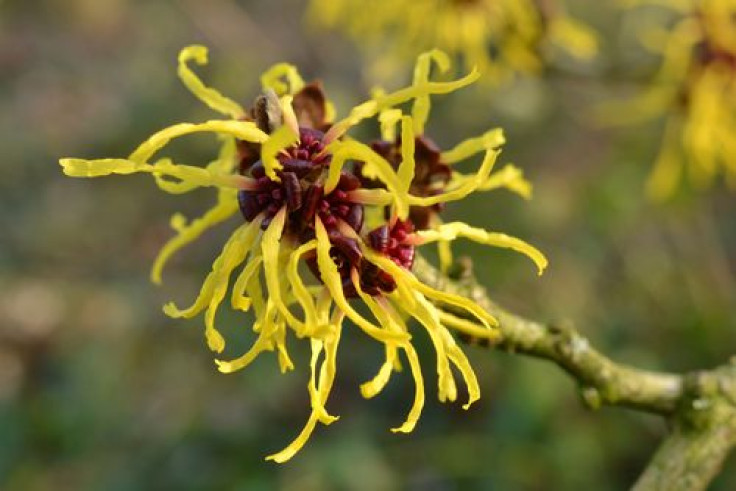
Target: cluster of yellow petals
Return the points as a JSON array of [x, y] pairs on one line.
[[267, 263], [697, 96], [464, 28]]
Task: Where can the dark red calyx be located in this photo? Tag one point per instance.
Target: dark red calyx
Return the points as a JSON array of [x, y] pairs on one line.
[[429, 168], [302, 164], [348, 247], [307, 156], [337, 205], [312, 199], [431, 175], [270, 196], [347, 256], [374, 280], [391, 241], [378, 238], [309, 149]]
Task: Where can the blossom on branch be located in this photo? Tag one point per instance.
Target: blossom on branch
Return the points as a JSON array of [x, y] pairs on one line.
[[315, 239]]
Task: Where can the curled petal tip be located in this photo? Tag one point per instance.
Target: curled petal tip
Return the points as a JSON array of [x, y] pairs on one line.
[[542, 264], [215, 341], [405, 428], [196, 52], [171, 310], [470, 402], [224, 366]]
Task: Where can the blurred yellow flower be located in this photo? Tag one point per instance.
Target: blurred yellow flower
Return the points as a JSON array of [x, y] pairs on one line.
[[694, 90], [314, 199], [501, 37]]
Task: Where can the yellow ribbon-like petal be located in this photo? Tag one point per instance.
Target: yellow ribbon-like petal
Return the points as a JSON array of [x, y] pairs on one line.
[[226, 206], [491, 139], [285, 363], [272, 266], [468, 327], [458, 358], [216, 284], [265, 342], [388, 118], [371, 197], [243, 130], [416, 371], [375, 386], [333, 282], [279, 140], [272, 79], [421, 106], [372, 107], [451, 231], [190, 177], [314, 395], [416, 409], [511, 178], [426, 314], [224, 164], [209, 96], [405, 172], [402, 276], [302, 295], [469, 185], [238, 299], [352, 150], [326, 380]]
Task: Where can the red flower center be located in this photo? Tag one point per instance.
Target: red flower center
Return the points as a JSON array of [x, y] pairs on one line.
[[302, 164]]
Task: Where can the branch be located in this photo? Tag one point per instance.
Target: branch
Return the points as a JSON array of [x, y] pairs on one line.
[[602, 380], [703, 434], [701, 405]]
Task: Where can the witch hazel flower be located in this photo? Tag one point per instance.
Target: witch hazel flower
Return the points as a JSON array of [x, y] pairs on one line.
[[328, 222], [505, 38], [693, 91], [434, 178]]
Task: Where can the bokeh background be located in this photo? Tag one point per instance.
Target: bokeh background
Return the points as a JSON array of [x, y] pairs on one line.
[[99, 390]]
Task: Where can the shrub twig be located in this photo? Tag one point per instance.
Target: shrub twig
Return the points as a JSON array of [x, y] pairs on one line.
[[701, 406]]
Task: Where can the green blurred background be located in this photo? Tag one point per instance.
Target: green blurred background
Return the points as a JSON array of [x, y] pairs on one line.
[[99, 390]]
